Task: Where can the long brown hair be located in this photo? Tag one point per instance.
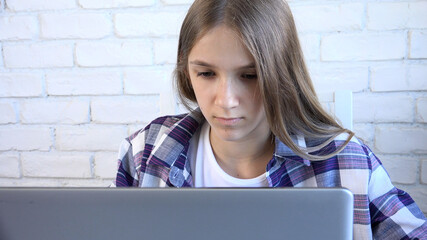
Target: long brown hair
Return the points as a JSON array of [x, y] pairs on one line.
[[267, 29]]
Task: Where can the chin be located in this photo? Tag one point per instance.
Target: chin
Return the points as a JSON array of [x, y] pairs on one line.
[[229, 135]]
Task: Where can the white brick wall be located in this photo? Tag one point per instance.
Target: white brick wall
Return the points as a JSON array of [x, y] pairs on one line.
[[8, 114], [89, 138], [121, 53], [59, 165], [78, 76], [18, 27], [25, 138], [97, 4], [422, 110], [37, 5], [87, 25], [21, 85], [329, 17], [10, 165], [52, 111], [148, 24], [418, 44], [363, 46], [77, 83], [38, 55]]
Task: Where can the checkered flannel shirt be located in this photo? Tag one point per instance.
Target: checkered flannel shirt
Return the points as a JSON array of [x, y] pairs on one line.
[[157, 157]]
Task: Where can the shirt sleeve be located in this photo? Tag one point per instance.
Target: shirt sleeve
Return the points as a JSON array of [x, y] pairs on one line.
[[126, 173], [394, 214]]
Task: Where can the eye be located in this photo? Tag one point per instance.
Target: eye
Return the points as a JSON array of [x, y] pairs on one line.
[[206, 74], [249, 76]]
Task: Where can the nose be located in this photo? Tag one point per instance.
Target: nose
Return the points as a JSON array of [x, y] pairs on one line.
[[226, 94]]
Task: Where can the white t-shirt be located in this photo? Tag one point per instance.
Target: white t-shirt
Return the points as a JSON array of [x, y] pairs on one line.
[[208, 173]]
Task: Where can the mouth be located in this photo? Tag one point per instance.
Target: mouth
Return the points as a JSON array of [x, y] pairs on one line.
[[228, 121]]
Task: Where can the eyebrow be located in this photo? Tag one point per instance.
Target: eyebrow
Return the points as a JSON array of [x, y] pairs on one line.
[[205, 64]]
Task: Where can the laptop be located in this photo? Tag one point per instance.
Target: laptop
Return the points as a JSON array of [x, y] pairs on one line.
[[187, 214]]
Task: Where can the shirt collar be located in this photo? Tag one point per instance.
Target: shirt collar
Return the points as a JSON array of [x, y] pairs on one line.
[[173, 141], [190, 124], [283, 152]]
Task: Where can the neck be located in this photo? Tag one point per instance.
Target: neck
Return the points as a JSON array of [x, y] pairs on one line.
[[243, 159]]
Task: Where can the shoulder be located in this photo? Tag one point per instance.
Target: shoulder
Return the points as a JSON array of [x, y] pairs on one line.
[[355, 155], [175, 126], [355, 147]]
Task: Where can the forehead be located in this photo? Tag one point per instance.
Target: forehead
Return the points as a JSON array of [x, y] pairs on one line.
[[221, 46]]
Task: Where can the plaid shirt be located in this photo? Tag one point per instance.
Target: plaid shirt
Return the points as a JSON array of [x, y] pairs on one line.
[[157, 157]]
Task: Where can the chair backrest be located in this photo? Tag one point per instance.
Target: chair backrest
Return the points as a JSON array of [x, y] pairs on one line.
[[343, 100]]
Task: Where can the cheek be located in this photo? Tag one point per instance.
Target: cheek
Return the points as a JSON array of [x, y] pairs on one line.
[[253, 95], [201, 91]]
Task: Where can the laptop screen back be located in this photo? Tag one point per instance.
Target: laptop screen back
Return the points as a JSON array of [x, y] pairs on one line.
[[160, 214]]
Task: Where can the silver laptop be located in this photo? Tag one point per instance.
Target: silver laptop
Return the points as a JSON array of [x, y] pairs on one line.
[[187, 214]]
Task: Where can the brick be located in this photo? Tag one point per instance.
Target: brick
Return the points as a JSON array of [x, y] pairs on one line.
[[144, 81], [61, 165], [75, 25], [89, 137], [148, 24], [38, 55], [417, 76], [387, 15], [402, 169], [1, 57], [177, 2], [34, 5], [13, 182], [363, 46], [106, 164], [97, 4], [103, 183], [168, 97], [424, 171], [418, 47], [25, 138], [165, 51], [401, 140], [54, 182], [125, 109], [331, 17], [377, 108], [7, 113], [310, 44], [133, 128], [18, 27], [388, 78], [398, 77], [422, 110], [129, 53], [365, 132], [21, 85], [98, 82], [396, 15], [9, 165], [417, 15], [329, 78], [168, 102], [53, 110]]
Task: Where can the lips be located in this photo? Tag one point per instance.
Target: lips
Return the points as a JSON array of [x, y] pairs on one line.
[[228, 121]]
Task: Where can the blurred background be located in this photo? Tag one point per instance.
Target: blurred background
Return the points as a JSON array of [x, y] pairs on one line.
[[78, 76]]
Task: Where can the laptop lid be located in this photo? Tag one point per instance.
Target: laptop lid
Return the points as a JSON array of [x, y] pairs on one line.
[[160, 214]]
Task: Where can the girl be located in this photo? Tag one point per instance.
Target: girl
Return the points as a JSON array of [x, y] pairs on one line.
[[258, 122]]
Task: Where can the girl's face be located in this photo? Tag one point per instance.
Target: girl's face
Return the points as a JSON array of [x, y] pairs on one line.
[[224, 79]]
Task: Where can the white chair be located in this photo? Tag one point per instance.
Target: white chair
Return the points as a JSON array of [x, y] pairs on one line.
[[343, 100]]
